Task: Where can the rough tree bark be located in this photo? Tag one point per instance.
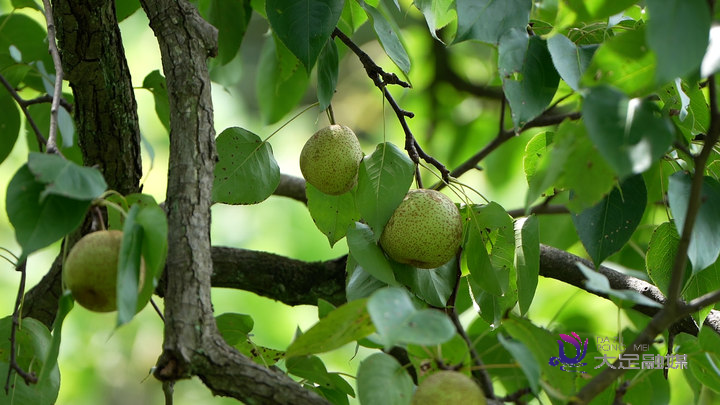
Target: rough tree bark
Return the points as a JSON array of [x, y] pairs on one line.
[[193, 345], [94, 62]]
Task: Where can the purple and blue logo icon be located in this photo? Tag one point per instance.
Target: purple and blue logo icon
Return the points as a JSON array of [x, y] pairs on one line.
[[570, 362]]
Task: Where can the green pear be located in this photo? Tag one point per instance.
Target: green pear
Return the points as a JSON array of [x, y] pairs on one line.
[[330, 159], [90, 270], [448, 388], [425, 230]]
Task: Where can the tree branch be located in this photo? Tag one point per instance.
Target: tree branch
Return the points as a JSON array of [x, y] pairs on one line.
[[381, 79], [504, 136], [23, 107], [291, 187], [28, 377], [57, 89]]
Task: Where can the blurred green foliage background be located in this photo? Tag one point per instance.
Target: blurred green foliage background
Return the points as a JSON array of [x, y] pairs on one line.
[[100, 365]]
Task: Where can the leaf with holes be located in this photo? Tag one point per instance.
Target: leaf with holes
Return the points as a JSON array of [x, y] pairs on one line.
[[246, 172]]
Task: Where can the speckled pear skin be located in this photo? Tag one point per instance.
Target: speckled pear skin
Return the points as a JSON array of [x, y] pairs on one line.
[[90, 270], [330, 159], [448, 388], [425, 230]]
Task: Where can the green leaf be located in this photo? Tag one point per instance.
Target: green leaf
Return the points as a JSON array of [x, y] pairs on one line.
[[529, 77], [570, 60], [30, 39], [281, 81], [705, 366], [495, 228], [528, 364], [231, 18], [381, 380], [398, 321], [304, 25], [332, 214], [311, 368], [65, 305], [557, 383], [540, 170], [327, 73], [433, 286], [128, 271], [360, 283], [426, 358], [324, 308], [627, 132], [477, 259], [704, 240], [624, 61], [585, 172], [488, 20], [362, 246], [527, 260], [234, 327], [40, 113], [599, 283], [9, 124], [661, 255], [33, 343], [384, 179], [39, 223], [246, 171], [347, 323], [606, 227], [687, 99], [153, 221], [598, 9], [353, 16], [65, 178], [702, 283], [126, 8], [155, 82], [388, 38], [678, 34], [26, 3], [438, 13]]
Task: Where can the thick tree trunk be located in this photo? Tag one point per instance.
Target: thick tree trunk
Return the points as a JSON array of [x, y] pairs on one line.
[[105, 110], [192, 343]]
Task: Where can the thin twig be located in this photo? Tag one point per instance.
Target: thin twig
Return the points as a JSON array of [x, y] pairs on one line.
[[168, 388], [29, 377], [478, 370], [57, 91], [515, 396], [157, 309], [504, 136], [381, 79], [23, 107]]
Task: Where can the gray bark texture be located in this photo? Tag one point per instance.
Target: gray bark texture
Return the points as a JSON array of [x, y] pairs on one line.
[[193, 345]]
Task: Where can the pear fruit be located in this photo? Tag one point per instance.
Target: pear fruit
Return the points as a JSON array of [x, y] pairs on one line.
[[90, 270], [330, 159], [425, 230], [448, 388]]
